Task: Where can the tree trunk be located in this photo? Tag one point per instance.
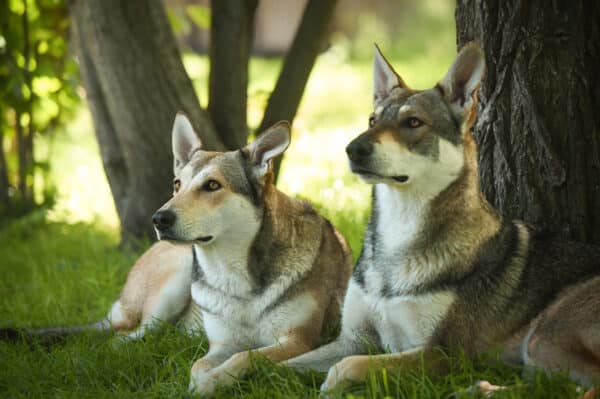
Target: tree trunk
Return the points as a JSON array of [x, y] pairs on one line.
[[231, 32], [4, 198], [308, 42], [25, 166], [539, 114], [25, 134], [136, 83]]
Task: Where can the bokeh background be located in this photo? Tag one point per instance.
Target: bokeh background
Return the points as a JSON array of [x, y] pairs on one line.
[[69, 183]]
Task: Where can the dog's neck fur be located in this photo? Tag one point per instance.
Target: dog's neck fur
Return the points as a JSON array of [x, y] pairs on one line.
[[225, 261], [242, 261], [281, 228], [429, 232]]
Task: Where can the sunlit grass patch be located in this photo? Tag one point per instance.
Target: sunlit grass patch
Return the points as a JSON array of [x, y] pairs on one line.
[[58, 273]]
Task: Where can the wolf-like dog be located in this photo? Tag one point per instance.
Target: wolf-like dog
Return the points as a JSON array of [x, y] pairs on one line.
[[269, 273], [440, 268]]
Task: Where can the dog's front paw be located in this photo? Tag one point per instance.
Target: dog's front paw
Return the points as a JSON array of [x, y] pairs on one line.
[[205, 383], [352, 368], [202, 366], [202, 384]]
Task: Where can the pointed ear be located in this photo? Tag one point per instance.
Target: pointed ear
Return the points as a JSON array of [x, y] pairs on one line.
[[463, 77], [184, 140], [267, 146], [384, 77]]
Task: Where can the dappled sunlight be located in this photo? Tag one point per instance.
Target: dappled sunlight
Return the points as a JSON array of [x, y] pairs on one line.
[[334, 109], [83, 194]]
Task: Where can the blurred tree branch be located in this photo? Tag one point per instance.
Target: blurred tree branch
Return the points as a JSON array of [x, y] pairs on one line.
[[309, 41], [135, 80], [231, 33]]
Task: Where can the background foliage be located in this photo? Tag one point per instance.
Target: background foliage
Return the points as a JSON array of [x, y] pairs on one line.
[[38, 93]]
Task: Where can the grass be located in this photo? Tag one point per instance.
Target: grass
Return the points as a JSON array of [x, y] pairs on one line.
[[58, 273], [63, 267]]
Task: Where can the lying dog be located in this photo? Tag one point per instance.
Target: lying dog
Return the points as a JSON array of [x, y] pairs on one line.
[[157, 290], [439, 266], [269, 273]]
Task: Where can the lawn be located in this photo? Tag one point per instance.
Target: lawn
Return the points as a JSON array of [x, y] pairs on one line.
[[63, 266]]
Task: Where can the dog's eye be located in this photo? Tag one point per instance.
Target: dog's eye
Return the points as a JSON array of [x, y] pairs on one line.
[[413, 122], [176, 185], [371, 120], [212, 185]]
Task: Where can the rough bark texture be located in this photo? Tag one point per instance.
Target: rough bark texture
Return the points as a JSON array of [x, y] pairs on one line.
[[539, 114], [136, 83], [308, 42], [231, 39]]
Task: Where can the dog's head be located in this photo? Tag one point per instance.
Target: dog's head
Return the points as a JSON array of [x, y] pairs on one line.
[[217, 193], [417, 138]]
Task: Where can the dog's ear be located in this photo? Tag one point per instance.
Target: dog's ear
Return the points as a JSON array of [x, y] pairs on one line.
[[384, 77], [184, 140], [267, 146], [463, 78]]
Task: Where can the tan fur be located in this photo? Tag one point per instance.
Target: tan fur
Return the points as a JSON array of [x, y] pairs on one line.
[[293, 221], [145, 289], [269, 272], [554, 343]]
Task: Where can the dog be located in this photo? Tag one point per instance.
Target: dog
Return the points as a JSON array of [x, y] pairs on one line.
[[269, 273], [157, 290], [440, 268]]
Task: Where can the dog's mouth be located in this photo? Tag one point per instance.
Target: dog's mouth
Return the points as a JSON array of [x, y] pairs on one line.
[[171, 237], [367, 175], [162, 235]]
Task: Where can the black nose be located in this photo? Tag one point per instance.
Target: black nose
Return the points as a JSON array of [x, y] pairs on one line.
[[163, 219], [359, 148]]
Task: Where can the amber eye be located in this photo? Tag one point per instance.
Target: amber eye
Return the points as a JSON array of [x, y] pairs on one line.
[[371, 120], [211, 185], [176, 185], [413, 123]]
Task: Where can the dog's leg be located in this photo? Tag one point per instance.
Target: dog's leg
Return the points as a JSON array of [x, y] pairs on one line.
[[566, 336], [576, 351], [321, 359], [217, 355], [352, 340], [166, 305], [240, 363], [356, 368]]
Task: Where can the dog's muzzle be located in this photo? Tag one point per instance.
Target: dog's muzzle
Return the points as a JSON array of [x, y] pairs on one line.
[[163, 220]]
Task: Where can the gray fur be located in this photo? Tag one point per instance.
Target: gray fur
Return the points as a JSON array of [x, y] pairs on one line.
[[444, 269]]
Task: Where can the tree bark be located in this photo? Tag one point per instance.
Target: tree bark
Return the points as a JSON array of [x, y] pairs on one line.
[[25, 134], [4, 198], [539, 121], [231, 33], [136, 83], [308, 42]]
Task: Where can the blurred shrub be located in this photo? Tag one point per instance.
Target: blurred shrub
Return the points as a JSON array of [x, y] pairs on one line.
[[38, 82]]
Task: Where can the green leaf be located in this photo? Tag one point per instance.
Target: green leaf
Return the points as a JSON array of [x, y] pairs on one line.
[[200, 15]]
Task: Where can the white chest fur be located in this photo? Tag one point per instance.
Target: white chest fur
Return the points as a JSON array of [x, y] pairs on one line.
[[403, 321], [235, 312], [400, 217], [406, 322]]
